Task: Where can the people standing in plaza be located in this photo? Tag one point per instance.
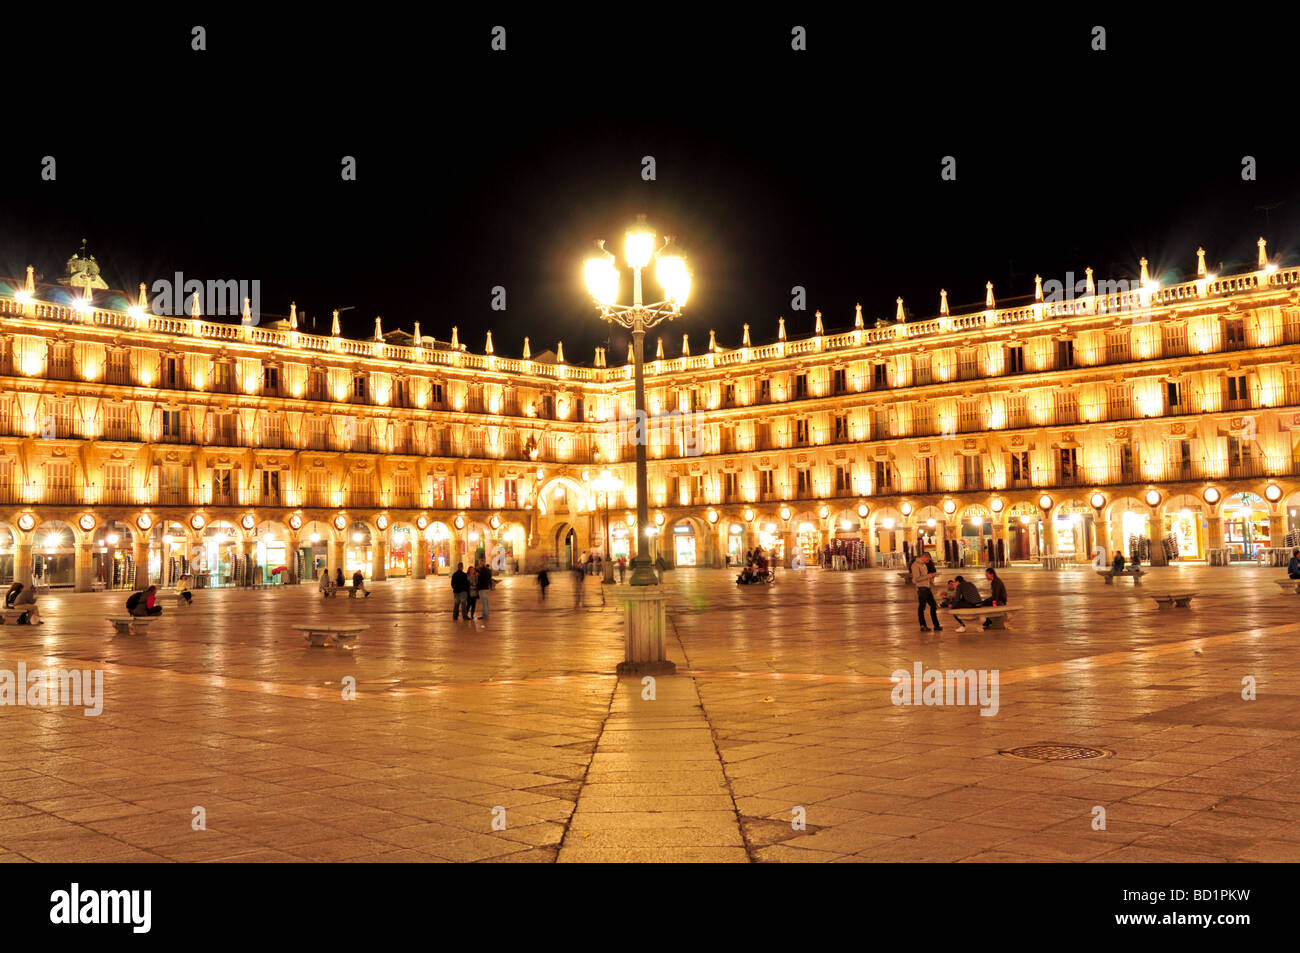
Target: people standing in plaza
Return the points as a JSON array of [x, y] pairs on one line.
[[622, 565], [459, 593], [473, 590], [543, 582], [484, 583], [578, 579], [923, 573]]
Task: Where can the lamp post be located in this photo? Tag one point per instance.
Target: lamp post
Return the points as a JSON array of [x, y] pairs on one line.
[[607, 483], [645, 616]]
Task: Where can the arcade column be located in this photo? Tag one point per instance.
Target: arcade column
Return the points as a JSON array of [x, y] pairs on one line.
[[140, 552], [23, 563], [788, 544], [334, 557], [379, 558], [85, 568], [1154, 537], [869, 538], [1276, 531], [1214, 533], [421, 556]]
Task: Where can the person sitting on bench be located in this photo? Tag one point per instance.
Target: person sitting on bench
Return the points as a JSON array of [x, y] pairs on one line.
[[359, 584], [967, 597], [1117, 564], [142, 603], [1293, 567], [25, 599], [183, 589], [999, 597]]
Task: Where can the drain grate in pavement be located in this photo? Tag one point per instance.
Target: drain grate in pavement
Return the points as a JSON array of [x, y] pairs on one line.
[[1051, 751]]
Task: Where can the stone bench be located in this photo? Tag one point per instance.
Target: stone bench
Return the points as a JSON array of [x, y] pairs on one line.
[[1284, 584], [999, 616], [11, 615], [130, 625], [1134, 574], [323, 635], [907, 578], [1171, 600]]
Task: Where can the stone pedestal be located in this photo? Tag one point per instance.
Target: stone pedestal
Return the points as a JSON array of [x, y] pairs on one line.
[[644, 627]]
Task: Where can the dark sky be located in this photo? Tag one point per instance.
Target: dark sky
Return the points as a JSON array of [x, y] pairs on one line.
[[774, 168]]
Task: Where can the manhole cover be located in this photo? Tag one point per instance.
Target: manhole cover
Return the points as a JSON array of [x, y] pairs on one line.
[[1049, 751]]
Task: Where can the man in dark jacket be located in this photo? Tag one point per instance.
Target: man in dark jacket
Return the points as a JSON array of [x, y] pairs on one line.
[[1293, 567], [968, 597], [1117, 564], [459, 592], [484, 588]]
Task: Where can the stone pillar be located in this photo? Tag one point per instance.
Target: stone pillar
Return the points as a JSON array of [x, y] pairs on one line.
[[1276, 532], [140, 552], [334, 557], [1154, 534], [717, 542], [788, 544], [1214, 533], [1049, 531], [23, 563], [869, 537], [85, 576], [421, 557], [644, 626], [379, 557], [1107, 540]]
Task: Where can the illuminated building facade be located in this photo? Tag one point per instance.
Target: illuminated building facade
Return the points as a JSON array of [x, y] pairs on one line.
[[134, 446]]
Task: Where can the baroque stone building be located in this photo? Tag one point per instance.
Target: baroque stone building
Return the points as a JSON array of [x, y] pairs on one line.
[[135, 446]]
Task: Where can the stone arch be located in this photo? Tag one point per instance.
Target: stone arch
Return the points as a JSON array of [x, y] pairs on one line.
[[566, 545], [54, 553], [573, 487], [680, 554]]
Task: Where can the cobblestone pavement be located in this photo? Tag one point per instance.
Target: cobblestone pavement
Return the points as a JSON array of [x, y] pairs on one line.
[[513, 740]]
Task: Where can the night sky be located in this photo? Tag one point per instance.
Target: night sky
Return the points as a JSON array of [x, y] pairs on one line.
[[774, 168]]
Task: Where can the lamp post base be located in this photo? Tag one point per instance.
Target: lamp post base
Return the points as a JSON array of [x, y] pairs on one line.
[[644, 628], [609, 572]]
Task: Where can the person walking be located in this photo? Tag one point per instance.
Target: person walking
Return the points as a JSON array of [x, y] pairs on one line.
[[923, 573], [622, 565], [484, 589], [543, 581], [459, 593], [473, 590], [578, 580]]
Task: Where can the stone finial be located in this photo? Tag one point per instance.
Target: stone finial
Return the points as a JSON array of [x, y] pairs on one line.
[[1145, 277], [595, 361], [780, 329], [379, 331], [943, 301], [455, 338], [817, 315], [30, 287], [857, 315], [898, 309], [142, 302], [713, 342], [559, 353], [89, 295], [659, 349], [1263, 254], [744, 341], [988, 294], [686, 345], [1200, 263], [1090, 286], [194, 306], [335, 329], [419, 340], [293, 315], [247, 316], [1038, 287], [528, 352], [487, 348]]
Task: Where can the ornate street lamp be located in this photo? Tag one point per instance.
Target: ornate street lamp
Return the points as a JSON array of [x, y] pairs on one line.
[[645, 617]]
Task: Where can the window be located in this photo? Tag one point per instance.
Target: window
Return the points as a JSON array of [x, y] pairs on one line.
[[1069, 464], [764, 390], [318, 490], [804, 482], [969, 416], [271, 486], [118, 371], [1126, 470], [1174, 395], [767, 482], [1015, 360], [967, 366], [548, 407], [1234, 334], [401, 392], [580, 412], [171, 426], [316, 385], [729, 396], [271, 381], [1020, 468], [972, 473], [925, 474], [800, 386], [1238, 452], [1174, 340], [172, 372], [1016, 411], [436, 392], [840, 383], [729, 488], [841, 479], [884, 476], [1064, 354], [1117, 347], [271, 430], [1237, 389], [221, 486], [801, 431], [879, 423], [316, 434], [1067, 408], [117, 422], [1185, 456], [475, 491], [358, 386], [510, 489], [1119, 402], [841, 428], [879, 375], [223, 377], [117, 483], [438, 489]]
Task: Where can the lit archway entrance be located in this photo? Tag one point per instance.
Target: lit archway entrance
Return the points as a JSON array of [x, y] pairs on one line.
[[357, 550], [1185, 522], [1246, 528], [6, 554], [168, 553], [402, 550], [271, 554], [220, 561], [1024, 532], [54, 554], [114, 556], [683, 543], [566, 546]]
